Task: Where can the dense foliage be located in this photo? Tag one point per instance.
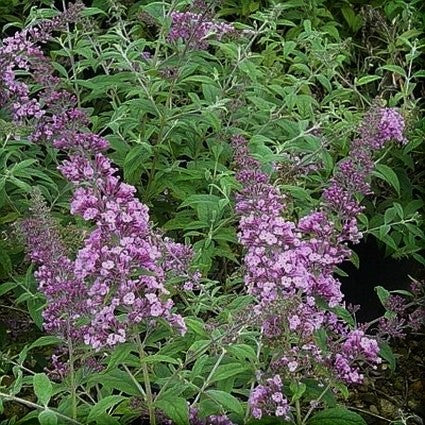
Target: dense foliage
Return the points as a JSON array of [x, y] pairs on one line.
[[181, 185]]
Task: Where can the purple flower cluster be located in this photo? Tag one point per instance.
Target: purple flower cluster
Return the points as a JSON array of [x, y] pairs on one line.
[[282, 259], [386, 125], [290, 266], [118, 278], [195, 29], [22, 52], [268, 399], [404, 314], [380, 126], [66, 295], [356, 347]]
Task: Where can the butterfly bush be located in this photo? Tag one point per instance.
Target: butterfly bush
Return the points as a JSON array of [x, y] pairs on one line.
[[289, 266], [117, 279]]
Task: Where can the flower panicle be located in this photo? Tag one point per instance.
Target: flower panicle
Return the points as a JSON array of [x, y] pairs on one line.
[[118, 277], [290, 266], [195, 29]]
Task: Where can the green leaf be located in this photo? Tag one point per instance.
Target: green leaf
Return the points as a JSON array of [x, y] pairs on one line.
[[242, 351], [155, 9], [395, 68], [315, 390], [419, 258], [398, 209], [5, 261], [196, 325], [414, 230], [45, 340], [336, 416], [387, 174], [228, 370], [103, 405], [367, 79], [9, 217], [43, 388], [297, 390], [47, 417], [387, 239], [198, 348], [20, 184], [135, 162], [61, 69], [22, 165], [6, 287], [387, 354], [402, 292], [389, 215], [383, 294], [321, 338], [344, 314], [198, 367], [115, 380], [24, 297], [17, 385], [324, 82], [119, 355], [226, 234], [208, 200], [90, 11], [105, 419], [160, 358], [226, 400], [176, 408], [354, 20], [419, 74], [355, 259], [199, 79], [35, 307]]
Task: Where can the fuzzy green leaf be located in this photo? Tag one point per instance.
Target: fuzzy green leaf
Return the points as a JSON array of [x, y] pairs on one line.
[[47, 417], [336, 416], [176, 408], [43, 388], [228, 401], [103, 405]]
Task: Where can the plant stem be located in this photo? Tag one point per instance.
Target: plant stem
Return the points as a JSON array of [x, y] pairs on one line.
[[391, 224], [213, 370], [13, 308], [162, 34], [37, 406], [71, 58], [72, 379], [259, 346], [146, 380], [298, 410], [310, 411], [192, 357], [136, 382], [149, 398]]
